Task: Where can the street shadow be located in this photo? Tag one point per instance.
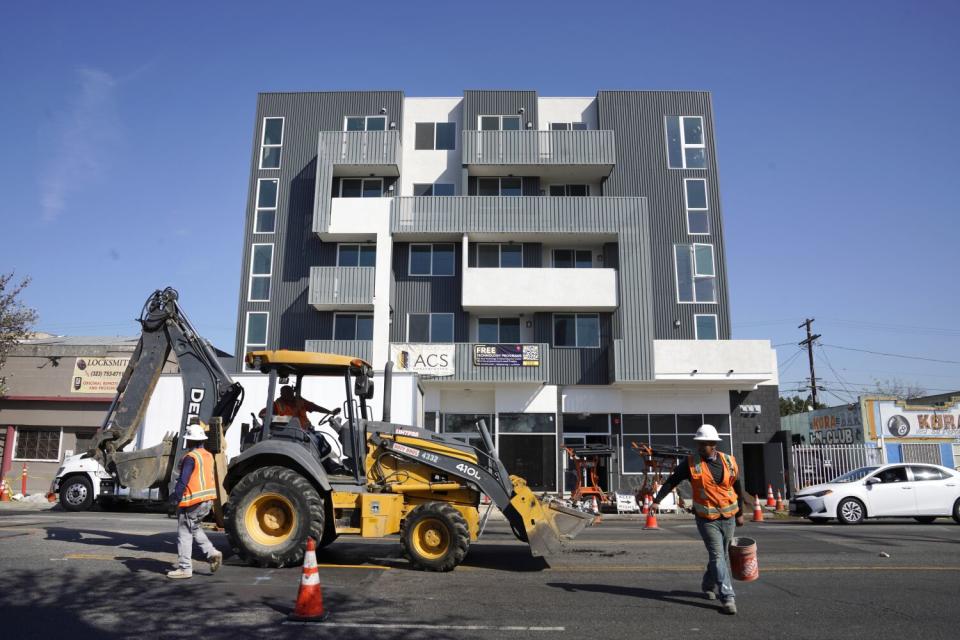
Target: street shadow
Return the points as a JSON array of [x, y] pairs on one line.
[[673, 597], [145, 565], [165, 542]]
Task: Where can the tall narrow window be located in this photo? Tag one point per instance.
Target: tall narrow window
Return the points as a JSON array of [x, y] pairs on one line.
[[696, 273], [265, 220], [440, 136], [686, 148], [698, 212], [705, 326], [271, 143], [261, 271], [255, 334]]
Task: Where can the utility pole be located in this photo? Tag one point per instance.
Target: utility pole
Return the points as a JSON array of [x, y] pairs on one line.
[[809, 344]]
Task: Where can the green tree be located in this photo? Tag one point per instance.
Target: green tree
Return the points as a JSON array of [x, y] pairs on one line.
[[16, 319], [797, 404]]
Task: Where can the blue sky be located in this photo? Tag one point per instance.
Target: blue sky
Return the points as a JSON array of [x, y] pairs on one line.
[[128, 133]]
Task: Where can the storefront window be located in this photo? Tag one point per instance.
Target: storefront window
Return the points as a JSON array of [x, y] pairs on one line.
[[527, 423], [463, 427], [666, 430], [586, 423], [37, 444]]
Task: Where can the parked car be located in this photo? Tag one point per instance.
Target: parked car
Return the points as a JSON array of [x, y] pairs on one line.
[[923, 492]]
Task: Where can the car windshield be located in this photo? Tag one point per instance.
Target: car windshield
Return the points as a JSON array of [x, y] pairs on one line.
[[856, 474]]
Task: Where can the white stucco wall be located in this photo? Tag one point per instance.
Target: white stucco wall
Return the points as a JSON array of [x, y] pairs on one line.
[[567, 110], [430, 166]]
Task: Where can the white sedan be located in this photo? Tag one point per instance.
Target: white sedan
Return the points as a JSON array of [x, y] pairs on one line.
[[923, 492]]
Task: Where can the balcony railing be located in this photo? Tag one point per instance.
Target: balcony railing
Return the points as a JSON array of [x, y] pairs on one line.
[[341, 288], [592, 152], [352, 152], [354, 348], [539, 289]]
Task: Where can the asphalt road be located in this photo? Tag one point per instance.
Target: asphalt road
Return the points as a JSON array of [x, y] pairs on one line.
[[100, 575]]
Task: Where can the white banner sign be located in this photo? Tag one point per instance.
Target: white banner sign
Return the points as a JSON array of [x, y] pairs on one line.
[[425, 359], [898, 421], [97, 375]]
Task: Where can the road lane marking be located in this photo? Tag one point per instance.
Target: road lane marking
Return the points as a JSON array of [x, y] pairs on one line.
[[426, 627], [379, 567], [774, 569]]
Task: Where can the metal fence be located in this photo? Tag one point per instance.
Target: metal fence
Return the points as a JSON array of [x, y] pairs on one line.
[[814, 464], [928, 453]]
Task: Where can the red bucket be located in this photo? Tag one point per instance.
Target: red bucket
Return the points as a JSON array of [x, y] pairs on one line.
[[743, 559]]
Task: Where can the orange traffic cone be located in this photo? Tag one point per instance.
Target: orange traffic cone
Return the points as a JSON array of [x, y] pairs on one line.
[[780, 504], [309, 605], [4, 492], [771, 501], [757, 510], [651, 520], [646, 505]]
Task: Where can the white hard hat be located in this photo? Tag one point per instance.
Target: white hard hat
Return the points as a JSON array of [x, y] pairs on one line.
[[195, 432], [707, 433]]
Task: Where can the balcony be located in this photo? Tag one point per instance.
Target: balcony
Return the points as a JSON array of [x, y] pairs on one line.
[[552, 155], [465, 370], [354, 348], [735, 364], [361, 153], [357, 219], [540, 289], [342, 288]]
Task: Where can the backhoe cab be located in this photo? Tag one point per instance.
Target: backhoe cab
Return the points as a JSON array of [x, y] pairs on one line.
[[397, 479]]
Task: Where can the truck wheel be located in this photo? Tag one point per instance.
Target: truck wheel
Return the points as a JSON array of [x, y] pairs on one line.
[[271, 512], [434, 537], [76, 493]]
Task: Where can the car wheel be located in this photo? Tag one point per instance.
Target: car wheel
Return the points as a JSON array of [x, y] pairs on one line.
[[925, 519], [76, 493], [851, 511], [956, 511]]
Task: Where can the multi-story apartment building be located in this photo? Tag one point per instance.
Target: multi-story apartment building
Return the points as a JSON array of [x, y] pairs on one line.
[[562, 259]]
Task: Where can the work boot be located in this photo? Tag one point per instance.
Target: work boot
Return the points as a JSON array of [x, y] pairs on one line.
[[180, 574], [730, 607], [215, 562]]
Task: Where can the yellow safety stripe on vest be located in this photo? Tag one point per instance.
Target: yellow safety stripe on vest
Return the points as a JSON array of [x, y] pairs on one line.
[[199, 470]]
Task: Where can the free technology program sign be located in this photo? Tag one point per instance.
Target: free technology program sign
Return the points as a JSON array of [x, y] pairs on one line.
[[506, 355]]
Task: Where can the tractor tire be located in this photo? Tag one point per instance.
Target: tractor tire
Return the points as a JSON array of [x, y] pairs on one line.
[[271, 512], [434, 537], [76, 493]]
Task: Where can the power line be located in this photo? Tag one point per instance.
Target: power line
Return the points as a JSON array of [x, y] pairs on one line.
[[830, 365], [892, 355], [897, 328]]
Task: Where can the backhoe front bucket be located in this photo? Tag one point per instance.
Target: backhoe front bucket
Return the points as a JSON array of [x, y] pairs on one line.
[[145, 468], [543, 524]]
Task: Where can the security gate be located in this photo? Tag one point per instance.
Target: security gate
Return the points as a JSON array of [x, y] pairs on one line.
[[815, 464], [923, 452]]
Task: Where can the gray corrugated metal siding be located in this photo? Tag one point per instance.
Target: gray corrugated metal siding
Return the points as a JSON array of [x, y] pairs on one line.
[[498, 103], [539, 147], [354, 348], [347, 286]]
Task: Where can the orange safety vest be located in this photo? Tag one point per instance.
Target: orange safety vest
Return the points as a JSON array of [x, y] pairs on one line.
[[712, 500], [202, 485], [299, 409]]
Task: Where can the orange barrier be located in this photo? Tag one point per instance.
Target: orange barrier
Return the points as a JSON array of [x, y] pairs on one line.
[[309, 605]]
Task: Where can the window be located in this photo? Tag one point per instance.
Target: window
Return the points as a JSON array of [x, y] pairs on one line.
[[361, 187], [928, 473], [463, 427], [430, 327], [576, 330], [271, 143], [569, 190], [37, 444], [527, 445], [572, 258], [696, 275], [255, 333], [500, 123], [499, 186], [435, 189], [266, 213], [441, 136], [685, 144], [431, 260], [667, 430], [261, 270], [705, 326], [352, 326], [496, 330], [356, 255], [365, 123], [698, 213], [568, 126], [502, 256], [893, 474]]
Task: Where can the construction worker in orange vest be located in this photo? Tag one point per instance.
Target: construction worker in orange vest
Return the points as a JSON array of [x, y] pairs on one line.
[[194, 495], [288, 404], [717, 504]]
